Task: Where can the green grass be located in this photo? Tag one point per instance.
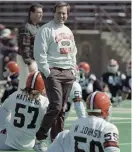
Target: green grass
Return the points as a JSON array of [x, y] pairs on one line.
[[121, 117], [123, 123]]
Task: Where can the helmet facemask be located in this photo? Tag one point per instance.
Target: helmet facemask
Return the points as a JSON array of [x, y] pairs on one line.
[[108, 118], [113, 66]]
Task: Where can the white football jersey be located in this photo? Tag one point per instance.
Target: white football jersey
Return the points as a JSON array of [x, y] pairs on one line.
[[89, 134], [25, 120], [76, 97], [76, 91], [4, 118]]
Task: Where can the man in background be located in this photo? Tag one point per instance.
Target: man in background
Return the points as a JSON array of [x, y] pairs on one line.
[[26, 37], [8, 47], [88, 81], [113, 81]]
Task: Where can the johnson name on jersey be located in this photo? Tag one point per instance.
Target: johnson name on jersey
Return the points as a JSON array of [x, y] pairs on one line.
[[90, 134], [94, 134]]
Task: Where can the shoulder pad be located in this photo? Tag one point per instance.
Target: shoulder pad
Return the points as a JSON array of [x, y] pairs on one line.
[[111, 128]]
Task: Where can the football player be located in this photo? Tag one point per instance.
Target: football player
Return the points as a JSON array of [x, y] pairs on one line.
[[88, 81], [76, 98], [26, 109], [90, 134], [113, 81], [12, 74], [127, 86]]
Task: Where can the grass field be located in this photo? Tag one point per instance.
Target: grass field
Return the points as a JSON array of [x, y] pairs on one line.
[[121, 117]]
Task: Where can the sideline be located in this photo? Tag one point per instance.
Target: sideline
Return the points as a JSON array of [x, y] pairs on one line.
[[125, 144], [121, 122]]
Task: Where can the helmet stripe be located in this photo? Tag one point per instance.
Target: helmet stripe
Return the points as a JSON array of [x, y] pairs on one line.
[[34, 79], [92, 100]]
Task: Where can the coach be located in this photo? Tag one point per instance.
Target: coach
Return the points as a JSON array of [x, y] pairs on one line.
[[55, 53]]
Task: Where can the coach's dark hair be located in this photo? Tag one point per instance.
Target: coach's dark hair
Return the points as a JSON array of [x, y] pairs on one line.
[[33, 7], [61, 4]]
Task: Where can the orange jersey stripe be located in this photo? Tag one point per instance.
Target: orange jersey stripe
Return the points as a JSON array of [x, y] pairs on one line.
[[110, 144]]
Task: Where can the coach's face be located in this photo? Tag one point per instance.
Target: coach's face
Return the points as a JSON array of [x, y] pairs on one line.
[[37, 15], [61, 15]]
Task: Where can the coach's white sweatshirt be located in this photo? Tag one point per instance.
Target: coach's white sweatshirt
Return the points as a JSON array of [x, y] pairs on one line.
[[54, 46]]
